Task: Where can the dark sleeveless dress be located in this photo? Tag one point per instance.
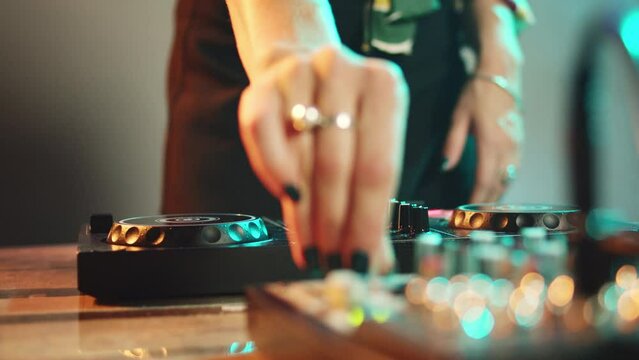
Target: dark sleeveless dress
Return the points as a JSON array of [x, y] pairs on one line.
[[206, 168]]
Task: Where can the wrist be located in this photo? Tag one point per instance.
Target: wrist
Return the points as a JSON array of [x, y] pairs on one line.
[[503, 83], [266, 58], [504, 60]]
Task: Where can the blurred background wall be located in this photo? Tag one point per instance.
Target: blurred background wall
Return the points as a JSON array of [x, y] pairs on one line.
[[83, 110]]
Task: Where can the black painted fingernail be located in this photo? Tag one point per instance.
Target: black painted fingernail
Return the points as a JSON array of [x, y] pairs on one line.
[[443, 167], [292, 192], [359, 262], [334, 261], [311, 255]]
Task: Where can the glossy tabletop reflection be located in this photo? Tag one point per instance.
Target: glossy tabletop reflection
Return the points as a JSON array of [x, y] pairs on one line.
[[43, 316]]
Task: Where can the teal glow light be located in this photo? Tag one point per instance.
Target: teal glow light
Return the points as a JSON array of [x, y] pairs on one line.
[[242, 348], [478, 322], [255, 231], [611, 297], [630, 32], [529, 319], [519, 257], [508, 241]]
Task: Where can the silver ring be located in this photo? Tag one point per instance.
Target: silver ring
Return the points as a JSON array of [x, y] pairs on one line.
[[342, 121], [307, 118], [510, 174]]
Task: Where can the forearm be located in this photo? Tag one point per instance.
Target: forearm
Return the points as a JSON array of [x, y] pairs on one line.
[[265, 30], [500, 52]]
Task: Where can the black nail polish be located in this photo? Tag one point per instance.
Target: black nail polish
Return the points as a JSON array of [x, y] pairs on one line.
[[334, 261], [311, 255], [443, 167], [359, 262], [292, 192]]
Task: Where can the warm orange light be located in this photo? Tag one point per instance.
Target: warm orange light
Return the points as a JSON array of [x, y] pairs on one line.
[[626, 276], [527, 306], [515, 298], [628, 306], [476, 220], [115, 234], [561, 290], [524, 307], [132, 235], [532, 282]]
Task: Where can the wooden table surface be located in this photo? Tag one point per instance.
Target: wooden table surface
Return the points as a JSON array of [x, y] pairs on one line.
[[43, 316]]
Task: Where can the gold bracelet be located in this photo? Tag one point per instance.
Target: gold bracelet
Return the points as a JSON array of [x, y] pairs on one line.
[[502, 83]]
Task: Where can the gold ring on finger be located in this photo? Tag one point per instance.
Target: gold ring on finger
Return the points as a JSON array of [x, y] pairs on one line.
[[305, 118], [308, 118]]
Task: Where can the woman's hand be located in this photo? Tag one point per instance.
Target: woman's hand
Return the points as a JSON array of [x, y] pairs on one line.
[[333, 182], [490, 113], [488, 106]]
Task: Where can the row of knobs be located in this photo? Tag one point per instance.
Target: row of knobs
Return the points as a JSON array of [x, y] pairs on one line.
[[408, 218]]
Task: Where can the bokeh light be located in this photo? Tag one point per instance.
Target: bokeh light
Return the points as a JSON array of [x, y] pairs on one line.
[[626, 275], [380, 315], [356, 316], [481, 284], [629, 30], [238, 347], [525, 307], [628, 305], [609, 296], [533, 283], [437, 290], [595, 313], [518, 257], [478, 322], [466, 301], [454, 290], [561, 291], [459, 278], [500, 292]]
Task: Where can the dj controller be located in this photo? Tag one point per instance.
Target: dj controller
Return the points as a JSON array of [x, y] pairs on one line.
[[208, 254], [479, 281]]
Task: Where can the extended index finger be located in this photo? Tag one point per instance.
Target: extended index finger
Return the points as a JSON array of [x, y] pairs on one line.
[[264, 136]]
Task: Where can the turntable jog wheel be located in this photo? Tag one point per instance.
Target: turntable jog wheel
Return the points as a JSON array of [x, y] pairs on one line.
[[187, 230], [512, 218]]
